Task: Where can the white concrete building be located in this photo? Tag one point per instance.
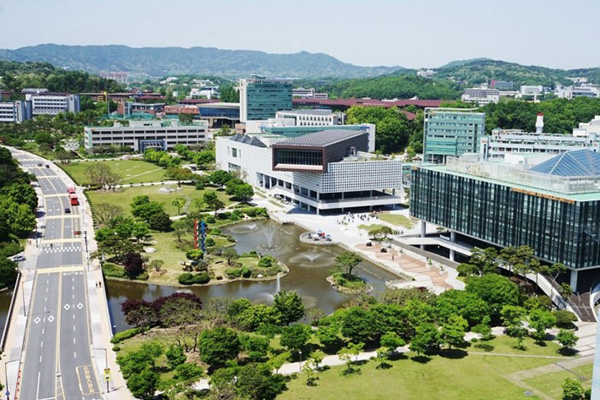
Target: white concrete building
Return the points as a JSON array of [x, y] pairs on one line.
[[503, 142], [46, 103], [588, 128], [531, 90], [570, 92], [481, 96], [15, 111], [314, 117], [140, 135], [327, 170]]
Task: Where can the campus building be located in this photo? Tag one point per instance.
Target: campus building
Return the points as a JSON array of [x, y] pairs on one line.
[[261, 98], [330, 170], [481, 96], [47, 103], [308, 117], [15, 111], [516, 141], [451, 132], [552, 206], [140, 135]]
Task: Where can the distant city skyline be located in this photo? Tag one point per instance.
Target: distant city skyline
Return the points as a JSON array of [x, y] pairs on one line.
[[424, 34]]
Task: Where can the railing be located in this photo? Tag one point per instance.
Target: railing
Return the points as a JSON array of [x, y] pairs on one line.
[[10, 312]]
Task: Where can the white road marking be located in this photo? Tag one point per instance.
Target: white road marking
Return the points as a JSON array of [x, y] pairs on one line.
[[74, 354], [73, 316], [40, 359], [37, 394], [73, 328], [73, 295], [42, 343], [74, 341]]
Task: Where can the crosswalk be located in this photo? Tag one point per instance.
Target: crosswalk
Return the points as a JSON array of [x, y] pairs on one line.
[[66, 249]]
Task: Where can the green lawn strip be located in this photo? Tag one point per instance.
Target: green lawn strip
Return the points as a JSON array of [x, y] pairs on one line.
[[472, 377], [506, 345], [396, 219], [370, 227], [131, 171], [550, 383], [124, 197]]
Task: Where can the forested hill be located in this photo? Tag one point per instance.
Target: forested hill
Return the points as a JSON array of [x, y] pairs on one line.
[[482, 70], [19, 75], [161, 61]]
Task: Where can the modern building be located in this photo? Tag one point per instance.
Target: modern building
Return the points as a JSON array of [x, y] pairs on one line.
[[588, 128], [310, 93], [330, 170], [553, 206], [481, 96], [502, 85], [119, 77], [307, 117], [451, 132], [516, 141], [47, 103], [220, 114], [140, 135], [528, 90], [570, 92], [135, 109], [15, 111], [261, 98]]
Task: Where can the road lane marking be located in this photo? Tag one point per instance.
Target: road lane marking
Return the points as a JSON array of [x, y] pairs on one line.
[[37, 392], [74, 341], [40, 359], [73, 328], [70, 268], [42, 343], [74, 354], [43, 330]]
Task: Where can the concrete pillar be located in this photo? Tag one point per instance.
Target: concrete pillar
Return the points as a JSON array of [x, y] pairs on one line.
[[342, 195], [318, 211], [453, 236], [574, 280], [451, 255], [423, 230]]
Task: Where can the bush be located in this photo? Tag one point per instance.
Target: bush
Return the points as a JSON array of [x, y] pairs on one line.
[[124, 335], [246, 272], [8, 249], [272, 270], [201, 278], [143, 276], [186, 279], [224, 215], [116, 348], [266, 262], [564, 318], [113, 270], [209, 241], [235, 217], [230, 238], [210, 219], [233, 273], [215, 231]]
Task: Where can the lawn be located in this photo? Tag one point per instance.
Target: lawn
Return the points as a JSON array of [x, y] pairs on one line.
[[370, 227], [550, 383], [131, 171], [124, 197], [397, 219]]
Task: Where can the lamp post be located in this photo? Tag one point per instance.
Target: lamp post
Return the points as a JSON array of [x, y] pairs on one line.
[[300, 365], [6, 377]]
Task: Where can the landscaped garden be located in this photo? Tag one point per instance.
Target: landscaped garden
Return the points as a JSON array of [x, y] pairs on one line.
[[396, 219], [130, 171]]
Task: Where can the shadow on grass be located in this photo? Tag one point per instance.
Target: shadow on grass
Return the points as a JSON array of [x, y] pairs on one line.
[[351, 370], [422, 359], [384, 365], [397, 356], [484, 347], [567, 352], [453, 354]]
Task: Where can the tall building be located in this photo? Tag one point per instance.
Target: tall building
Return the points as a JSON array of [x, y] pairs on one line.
[[141, 135], [451, 132], [321, 171], [502, 85], [307, 117], [481, 96], [15, 111], [261, 98], [553, 206]]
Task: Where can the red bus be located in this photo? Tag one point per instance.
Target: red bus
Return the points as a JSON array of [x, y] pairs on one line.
[[71, 190], [73, 199]]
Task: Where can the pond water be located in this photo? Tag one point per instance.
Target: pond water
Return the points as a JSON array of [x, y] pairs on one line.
[[309, 266], [5, 297]]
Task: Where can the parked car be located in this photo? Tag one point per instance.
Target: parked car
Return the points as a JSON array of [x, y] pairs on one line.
[[18, 258], [39, 164], [67, 210]]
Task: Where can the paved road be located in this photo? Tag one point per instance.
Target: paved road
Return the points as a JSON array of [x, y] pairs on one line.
[[57, 363]]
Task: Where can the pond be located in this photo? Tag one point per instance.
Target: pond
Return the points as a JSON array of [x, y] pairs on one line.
[[309, 266], [5, 297]]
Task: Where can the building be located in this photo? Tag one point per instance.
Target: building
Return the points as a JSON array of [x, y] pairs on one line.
[[553, 206], [505, 141], [135, 109], [481, 96], [531, 90], [306, 117], [344, 104], [426, 73], [47, 103], [329, 170], [310, 93], [588, 128], [220, 114], [502, 85], [261, 98], [451, 132], [140, 135], [119, 77], [15, 111], [570, 92]]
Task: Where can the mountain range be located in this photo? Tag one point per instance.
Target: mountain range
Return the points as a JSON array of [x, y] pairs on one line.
[[162, 61]]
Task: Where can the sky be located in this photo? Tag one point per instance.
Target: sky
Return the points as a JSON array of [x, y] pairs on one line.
[[412, 34]]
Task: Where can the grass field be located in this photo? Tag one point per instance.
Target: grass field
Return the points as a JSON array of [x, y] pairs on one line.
[[550, 384], [475, 376], [397, 219], [131, 171], [124, 197]]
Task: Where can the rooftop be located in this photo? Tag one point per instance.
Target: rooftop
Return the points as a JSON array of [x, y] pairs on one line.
[[582, 162], [308, 112], [322, 138]]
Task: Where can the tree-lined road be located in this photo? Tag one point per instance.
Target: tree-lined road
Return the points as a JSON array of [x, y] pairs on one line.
[[56, 360]]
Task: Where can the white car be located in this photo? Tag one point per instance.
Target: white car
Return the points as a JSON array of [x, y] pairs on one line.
[[18, 258]]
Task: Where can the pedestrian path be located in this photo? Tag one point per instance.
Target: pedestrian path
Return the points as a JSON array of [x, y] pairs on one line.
[[58, 249]]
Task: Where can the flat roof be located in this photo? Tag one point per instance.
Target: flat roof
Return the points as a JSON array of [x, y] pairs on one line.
[[321, 138], [594, 196], [308, 111]]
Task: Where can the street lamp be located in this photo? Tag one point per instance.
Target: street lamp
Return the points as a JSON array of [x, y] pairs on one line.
[[300, 365]]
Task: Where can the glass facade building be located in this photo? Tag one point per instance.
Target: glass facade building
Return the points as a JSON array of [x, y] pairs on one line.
[[562, 226], [451, 132], [261, 98]]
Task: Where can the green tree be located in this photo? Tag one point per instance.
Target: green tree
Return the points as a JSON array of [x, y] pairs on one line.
[[257, 382], [512, 318], [212, 200], [347, 261], [426, 337], [255, 346], [453, 331], [143, 385], [8, 273], [294, 337], [178, 202], [567, 339], [460, 302], [219, 345], [572, 390], [243, 192], [496, 290], [540, 320], [289, 307], [220, 177], [204, 158], [160, 222], [357, 325], [175, 356], [231, 255], [188, 372]]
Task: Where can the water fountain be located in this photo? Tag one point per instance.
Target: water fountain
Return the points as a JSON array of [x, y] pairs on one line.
[[278, 284], [269, 234], [312, 256], [243, 228]]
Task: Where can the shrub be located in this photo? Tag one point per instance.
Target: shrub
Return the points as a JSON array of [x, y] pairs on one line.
[[186, 279], [143, 276], [113, 270], [246, 272], [215, 231], [209, 241], [272, 270], [224, 215], [124, 335], [201, 278], [235, 217], [266, 262], [233, 273], [210, 219], [116, 348], [564, 318], [230, 238], [8, 249]]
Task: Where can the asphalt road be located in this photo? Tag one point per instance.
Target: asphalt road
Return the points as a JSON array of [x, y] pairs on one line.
[[57, 363]]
